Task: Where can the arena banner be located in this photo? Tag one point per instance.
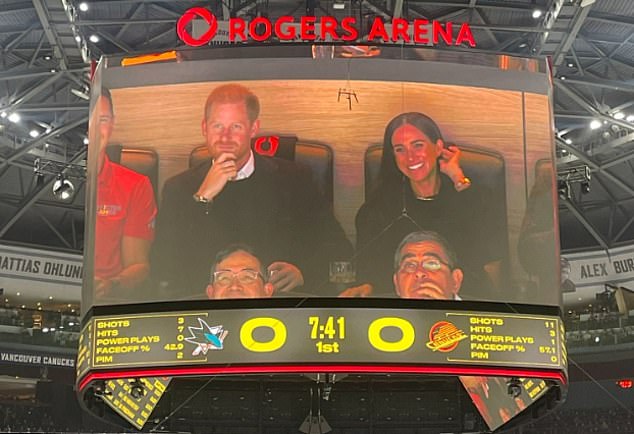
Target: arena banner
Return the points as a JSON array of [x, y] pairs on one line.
[[586, 274], [33, 272], [199, 26], [39, 358]]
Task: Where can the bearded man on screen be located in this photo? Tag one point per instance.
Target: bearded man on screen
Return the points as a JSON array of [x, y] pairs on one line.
[[240, 197]]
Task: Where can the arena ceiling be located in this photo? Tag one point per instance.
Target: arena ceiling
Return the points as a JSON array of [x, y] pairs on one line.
[[46, 47]]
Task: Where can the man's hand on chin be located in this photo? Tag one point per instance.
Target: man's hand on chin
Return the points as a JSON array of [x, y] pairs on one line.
[[223, 169], [284, 276]]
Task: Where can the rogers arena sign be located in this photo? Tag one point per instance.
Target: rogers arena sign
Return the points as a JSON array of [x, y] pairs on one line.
[[261, 29]]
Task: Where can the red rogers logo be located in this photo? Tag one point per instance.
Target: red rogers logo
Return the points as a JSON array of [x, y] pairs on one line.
[[419, 31], [187, 17]]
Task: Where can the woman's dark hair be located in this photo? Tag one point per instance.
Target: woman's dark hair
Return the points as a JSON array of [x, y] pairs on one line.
[[388, 172]]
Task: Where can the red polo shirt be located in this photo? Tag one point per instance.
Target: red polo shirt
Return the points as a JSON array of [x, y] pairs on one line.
[[125, 207]]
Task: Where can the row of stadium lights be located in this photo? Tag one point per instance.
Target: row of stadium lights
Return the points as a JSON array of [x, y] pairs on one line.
[[595, 124], [16, 118], [39, 304], [83, 7]]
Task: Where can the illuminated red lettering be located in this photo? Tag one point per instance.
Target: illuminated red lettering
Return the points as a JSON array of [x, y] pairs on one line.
[[253, 29], [261, 29], [308, 28], [237, 27], [187, 17], [378, 29], [280, 33], [421, 28], [465, 35], [399, 30], [329, 27], [437, 30], [266, 145], [348, 26]]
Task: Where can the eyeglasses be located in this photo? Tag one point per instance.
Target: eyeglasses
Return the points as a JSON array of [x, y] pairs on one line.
[[431, 264], [245, 277]]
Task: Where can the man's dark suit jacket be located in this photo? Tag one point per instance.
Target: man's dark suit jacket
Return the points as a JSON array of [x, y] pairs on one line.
[[277, 210]]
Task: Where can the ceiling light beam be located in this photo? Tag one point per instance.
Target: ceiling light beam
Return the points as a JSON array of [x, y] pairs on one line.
[[15, 104], [16, 41], [54, 229], [586, 224], [125, 27], [30, 199], [594, 166], [589, 107], [564, 46], [51, 33], [40, 141]]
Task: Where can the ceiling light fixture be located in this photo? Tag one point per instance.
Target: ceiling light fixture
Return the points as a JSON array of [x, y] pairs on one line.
[[42, 166], [3, 115], [563, 189], [86, 141], [83, 6], [34, 133], [63, 189], [537, 13], [595, 124], [618, 115], [14, 117], [630, 118], [585, 187], [568, 142], [80, 94], [77, 38], [94, 39]]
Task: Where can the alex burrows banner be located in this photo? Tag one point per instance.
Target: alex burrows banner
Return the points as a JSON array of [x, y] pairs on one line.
[[36, 273], [590, 271]]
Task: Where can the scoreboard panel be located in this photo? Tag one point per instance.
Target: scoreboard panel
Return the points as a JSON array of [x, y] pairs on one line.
[[330, 336]]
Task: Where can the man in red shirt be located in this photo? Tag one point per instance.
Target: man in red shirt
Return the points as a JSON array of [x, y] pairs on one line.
[[126, 210]]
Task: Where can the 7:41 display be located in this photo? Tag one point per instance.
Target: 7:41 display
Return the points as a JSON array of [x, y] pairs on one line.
[[330, 329]]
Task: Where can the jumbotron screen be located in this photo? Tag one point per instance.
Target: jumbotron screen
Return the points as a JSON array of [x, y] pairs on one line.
[[328, 174], [341, 175]]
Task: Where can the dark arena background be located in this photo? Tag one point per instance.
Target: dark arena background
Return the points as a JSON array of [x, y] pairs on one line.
[[343, 216]]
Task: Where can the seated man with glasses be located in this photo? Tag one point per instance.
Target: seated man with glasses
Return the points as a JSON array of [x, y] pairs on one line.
[[425, 267], [238, 273]]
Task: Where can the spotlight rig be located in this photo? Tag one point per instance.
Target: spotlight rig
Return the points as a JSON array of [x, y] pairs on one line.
[[63, 188], [571, 175]]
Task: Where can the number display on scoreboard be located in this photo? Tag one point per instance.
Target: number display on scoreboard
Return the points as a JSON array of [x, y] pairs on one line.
[[319, 335]]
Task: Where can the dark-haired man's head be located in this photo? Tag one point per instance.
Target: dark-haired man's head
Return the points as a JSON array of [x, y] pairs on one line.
[[238, 273], [425, 267]]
